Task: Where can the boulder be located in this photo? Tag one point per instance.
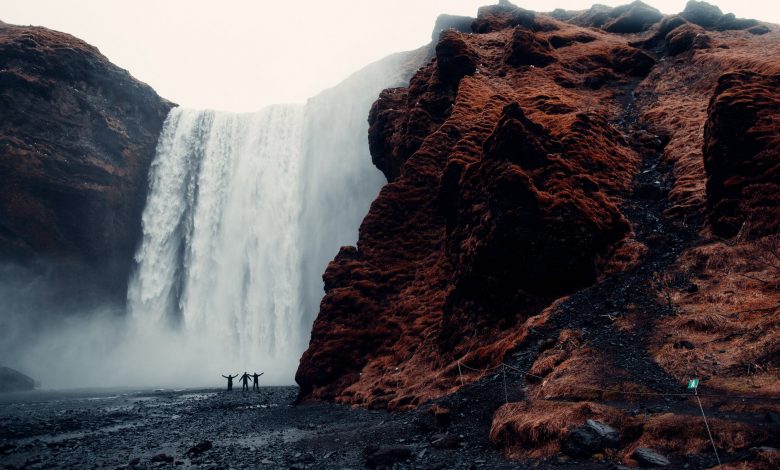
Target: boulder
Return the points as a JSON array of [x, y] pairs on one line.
[[633, 18], [649, 458], [702, 13], [590, 438]]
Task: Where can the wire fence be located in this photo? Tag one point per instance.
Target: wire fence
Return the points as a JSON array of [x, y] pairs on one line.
[[504, 366]]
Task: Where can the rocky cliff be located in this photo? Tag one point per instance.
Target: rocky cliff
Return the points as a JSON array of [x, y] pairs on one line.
[[581, 196], [77, 136]]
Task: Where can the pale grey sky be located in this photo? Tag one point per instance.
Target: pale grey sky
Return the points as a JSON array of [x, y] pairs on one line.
[[240, 55]]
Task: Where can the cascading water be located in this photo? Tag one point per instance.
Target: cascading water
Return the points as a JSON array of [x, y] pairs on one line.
[[219, 257], [244, 212]]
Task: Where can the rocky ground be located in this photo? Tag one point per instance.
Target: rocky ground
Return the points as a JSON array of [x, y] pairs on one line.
[[214, 429]]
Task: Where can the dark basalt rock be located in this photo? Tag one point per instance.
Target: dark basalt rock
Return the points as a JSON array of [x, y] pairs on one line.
[[76, 140], [702, 13], [633, 18], [588, 439], [650, 458]]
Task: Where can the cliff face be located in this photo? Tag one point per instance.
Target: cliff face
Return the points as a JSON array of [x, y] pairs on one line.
[[557, 187], [76, 140]]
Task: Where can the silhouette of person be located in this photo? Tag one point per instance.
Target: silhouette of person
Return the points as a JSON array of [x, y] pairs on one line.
[[230, 381], [255, 376], [245, 382]]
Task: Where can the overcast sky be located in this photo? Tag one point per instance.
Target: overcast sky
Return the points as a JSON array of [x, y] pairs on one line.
[[240, 55]]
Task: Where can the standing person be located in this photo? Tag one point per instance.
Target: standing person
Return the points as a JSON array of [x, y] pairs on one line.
[[245, 382], [230, 381], [255, 385]]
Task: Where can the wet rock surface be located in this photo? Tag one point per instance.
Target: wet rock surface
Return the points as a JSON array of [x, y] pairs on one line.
[[216, 429]]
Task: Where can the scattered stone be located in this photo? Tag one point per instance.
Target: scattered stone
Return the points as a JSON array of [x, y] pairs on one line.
[[162, 457], [592, 437], [609, 435], [445, 441], [200, 448], [649, 458], [386, 455]]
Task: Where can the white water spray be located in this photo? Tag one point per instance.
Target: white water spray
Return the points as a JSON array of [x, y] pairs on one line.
[[244, 212], [217, 267]]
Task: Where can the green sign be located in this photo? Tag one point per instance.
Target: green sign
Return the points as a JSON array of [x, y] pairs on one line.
[[693, 384]]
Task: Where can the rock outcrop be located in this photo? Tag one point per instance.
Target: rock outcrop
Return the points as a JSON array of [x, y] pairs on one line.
[[76, 140], [742, 154], [556, 188]]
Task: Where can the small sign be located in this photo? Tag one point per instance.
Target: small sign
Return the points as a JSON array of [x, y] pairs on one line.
[[693, 384]]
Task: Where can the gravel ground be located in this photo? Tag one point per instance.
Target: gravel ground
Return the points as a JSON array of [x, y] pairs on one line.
[[122, 429]]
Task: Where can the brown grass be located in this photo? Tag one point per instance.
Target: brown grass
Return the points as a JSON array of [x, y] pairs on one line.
[[533, 430], [732, 320], [686, 434]]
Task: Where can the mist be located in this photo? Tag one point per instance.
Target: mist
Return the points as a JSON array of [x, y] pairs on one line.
[[244, 212]]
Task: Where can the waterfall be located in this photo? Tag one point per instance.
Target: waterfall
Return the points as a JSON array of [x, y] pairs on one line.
[[243, 214]]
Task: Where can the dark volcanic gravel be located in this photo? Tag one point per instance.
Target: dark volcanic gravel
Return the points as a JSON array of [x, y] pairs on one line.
[[244, 429]]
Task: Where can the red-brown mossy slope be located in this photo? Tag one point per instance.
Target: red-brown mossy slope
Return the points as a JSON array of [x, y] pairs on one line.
[[559, 189], [506, 173], [742, 154], [77, 136]]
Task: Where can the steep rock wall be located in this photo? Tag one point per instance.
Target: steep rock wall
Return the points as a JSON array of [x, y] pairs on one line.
[[76, 140]]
